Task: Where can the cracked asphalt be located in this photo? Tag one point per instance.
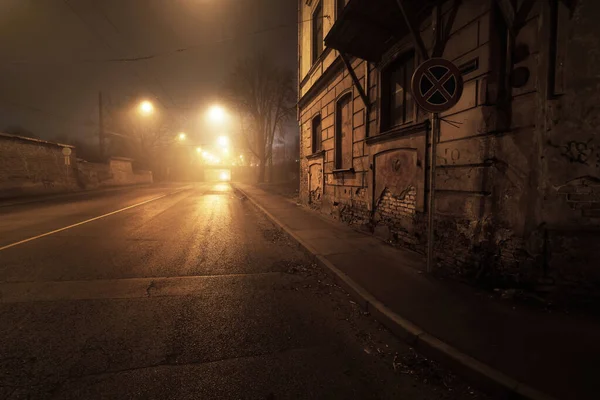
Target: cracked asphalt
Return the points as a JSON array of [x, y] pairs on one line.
[[194, 295]]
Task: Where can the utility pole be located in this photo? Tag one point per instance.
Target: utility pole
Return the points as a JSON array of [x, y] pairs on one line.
[[101, 126]]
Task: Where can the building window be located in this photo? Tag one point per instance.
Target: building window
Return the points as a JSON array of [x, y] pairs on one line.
[[317, 33], [340, 6], [559, 41], [397, 102], [316, 134], [343, 132]]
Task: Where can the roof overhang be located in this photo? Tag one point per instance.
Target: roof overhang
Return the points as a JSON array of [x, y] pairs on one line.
[[367, 29]]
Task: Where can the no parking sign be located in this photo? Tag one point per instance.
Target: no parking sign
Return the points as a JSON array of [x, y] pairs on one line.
[[437, 85]]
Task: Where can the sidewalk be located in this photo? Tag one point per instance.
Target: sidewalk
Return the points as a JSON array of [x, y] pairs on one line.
[[504, 346]]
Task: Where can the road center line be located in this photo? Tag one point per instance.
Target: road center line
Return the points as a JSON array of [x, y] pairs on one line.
[[87, 221]]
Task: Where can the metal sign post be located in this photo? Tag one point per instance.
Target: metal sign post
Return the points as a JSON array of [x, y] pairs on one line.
[[66, 151], [436, 86], [435, 124]]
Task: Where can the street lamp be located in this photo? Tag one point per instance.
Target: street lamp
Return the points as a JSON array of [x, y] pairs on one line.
[[146, 107], [198, 150], [217, 114], [182, 136], [223, 141]]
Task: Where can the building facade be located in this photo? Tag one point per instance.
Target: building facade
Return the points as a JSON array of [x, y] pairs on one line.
[[517, 165]]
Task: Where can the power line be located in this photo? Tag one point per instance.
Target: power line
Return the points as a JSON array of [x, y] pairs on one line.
[[198, 46], [178, 50], [106, 44], [63, 118]]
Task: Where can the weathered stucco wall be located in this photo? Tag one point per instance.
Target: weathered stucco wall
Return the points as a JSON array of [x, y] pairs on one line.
[[116, 172], [30, 166], [569, 151], [395, 162], [518, 176]]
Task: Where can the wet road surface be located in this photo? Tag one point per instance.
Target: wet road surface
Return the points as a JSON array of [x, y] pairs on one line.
[[184, 292]]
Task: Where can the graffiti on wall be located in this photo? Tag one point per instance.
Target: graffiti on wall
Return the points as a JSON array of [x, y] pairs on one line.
[[395, 170], [579, 152]]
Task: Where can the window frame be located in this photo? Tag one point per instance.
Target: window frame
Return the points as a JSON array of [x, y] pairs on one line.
[[386, 71], [316, 145], [338, 142], [318, 9]]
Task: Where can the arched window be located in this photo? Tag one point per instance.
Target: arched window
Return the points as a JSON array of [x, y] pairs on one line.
[[316, 134], [343, 132]]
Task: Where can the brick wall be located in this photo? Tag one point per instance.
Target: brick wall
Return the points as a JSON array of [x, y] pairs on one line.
[[395, 219]]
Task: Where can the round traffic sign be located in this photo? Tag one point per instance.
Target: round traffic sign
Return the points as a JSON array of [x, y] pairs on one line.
[[436, 85], [66, 151]]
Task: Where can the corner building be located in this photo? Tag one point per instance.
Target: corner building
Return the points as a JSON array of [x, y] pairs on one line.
[[517, 176]]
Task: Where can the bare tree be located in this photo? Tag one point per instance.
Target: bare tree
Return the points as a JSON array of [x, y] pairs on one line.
[[147, 139], [264, 96]]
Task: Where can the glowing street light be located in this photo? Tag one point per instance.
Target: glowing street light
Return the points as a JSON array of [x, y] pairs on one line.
[[146, 107], [182, 136], [198, 150], [217, 114], [223, 141]]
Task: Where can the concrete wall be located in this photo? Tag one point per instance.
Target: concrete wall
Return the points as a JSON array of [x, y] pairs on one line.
[[31, 166], [117, 171], [518, 177]]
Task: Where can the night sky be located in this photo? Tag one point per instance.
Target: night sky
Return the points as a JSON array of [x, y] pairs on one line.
[[57, 54]]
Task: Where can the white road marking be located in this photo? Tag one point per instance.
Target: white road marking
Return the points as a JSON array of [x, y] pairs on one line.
[[86, 221]]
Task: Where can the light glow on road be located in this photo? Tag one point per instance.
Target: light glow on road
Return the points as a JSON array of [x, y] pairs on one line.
[[88, 220]]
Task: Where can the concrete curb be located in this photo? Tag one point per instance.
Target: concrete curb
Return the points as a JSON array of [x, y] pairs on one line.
[[481, 374]]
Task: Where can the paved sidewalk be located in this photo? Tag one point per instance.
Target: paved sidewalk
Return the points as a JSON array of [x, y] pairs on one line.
[[507, 347]]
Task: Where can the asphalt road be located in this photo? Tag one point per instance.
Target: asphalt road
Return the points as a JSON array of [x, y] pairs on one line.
[[187, 292]]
